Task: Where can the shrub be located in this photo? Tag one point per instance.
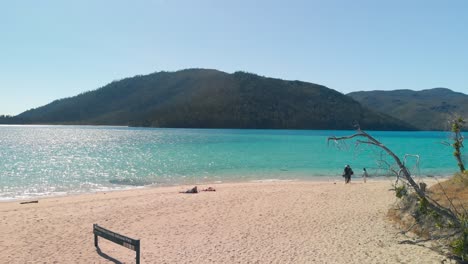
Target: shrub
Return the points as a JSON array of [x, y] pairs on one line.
[[460, 245], [400, 190]]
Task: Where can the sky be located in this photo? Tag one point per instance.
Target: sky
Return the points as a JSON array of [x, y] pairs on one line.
[[56, 49]]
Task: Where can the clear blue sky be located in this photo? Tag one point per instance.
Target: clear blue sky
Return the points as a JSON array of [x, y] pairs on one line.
[[55, 49]]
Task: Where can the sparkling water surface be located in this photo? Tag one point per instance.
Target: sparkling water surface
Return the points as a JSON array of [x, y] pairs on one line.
[[52, 160]]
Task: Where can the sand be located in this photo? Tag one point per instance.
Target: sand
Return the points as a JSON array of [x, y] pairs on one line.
[[261, 222]]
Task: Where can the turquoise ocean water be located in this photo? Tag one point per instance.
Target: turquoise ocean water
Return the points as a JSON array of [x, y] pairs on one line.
[[51, 160]]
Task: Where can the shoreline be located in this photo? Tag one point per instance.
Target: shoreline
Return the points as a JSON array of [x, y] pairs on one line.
[[123, 187], [264, 222]]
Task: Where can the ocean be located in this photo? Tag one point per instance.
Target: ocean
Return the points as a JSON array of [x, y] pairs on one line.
[[38, 161]]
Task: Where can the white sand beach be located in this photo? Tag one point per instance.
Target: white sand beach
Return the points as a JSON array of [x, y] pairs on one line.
[[262, 222]]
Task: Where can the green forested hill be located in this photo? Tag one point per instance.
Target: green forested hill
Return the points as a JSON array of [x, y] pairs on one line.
[[200, 98], [427, 109]]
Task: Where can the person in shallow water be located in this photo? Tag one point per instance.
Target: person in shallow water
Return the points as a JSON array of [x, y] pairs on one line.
[[364, 175], [347, 173]]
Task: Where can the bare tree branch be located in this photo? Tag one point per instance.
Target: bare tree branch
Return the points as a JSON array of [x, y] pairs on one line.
[[402, 170]]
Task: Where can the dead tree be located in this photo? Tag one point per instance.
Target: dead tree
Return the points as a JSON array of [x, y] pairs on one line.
[[436, 207]]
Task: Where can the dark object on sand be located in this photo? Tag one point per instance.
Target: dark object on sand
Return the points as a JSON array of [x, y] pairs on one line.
[[28, 202], [209, 189], [130, 243], [193, 190]]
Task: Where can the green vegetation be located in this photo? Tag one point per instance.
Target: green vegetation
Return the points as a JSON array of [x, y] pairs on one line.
[[453, 194], [400, 190], [426, 110], [6, 119], [200, 98], [457, 125], [460, 245], [417, 212]]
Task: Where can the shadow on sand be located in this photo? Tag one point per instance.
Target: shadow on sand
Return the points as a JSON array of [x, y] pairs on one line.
[[104, 255]]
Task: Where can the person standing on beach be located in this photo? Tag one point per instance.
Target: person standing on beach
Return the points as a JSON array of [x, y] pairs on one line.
[[365, 175], [347, 174]]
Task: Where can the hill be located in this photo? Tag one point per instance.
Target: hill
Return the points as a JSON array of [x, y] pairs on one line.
[[427, 109], [201, 98]]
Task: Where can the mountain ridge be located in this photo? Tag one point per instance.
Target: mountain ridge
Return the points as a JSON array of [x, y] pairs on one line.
[[207, 98], [428, 109]]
